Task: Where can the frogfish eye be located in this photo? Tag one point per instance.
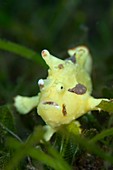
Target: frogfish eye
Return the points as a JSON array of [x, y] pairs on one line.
[[62, 87]]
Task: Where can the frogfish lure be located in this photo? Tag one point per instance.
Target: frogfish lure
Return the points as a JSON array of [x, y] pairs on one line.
[[65, 94]]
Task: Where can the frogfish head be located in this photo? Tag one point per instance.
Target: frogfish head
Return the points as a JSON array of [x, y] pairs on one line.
[[60, 94]]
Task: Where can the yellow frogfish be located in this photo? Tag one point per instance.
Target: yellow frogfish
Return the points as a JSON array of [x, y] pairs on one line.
[[65, 94]]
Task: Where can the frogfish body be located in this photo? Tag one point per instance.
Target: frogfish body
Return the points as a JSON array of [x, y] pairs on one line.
[[65, 94]]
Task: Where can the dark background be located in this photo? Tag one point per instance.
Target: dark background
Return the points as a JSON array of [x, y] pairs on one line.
[[54, 25]]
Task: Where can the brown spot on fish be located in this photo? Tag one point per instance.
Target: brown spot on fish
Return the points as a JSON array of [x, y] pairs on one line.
[[45, 53], [60, 66], [78, 89], [41, 86], [50, 103], [64, 111], [72, 58]]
